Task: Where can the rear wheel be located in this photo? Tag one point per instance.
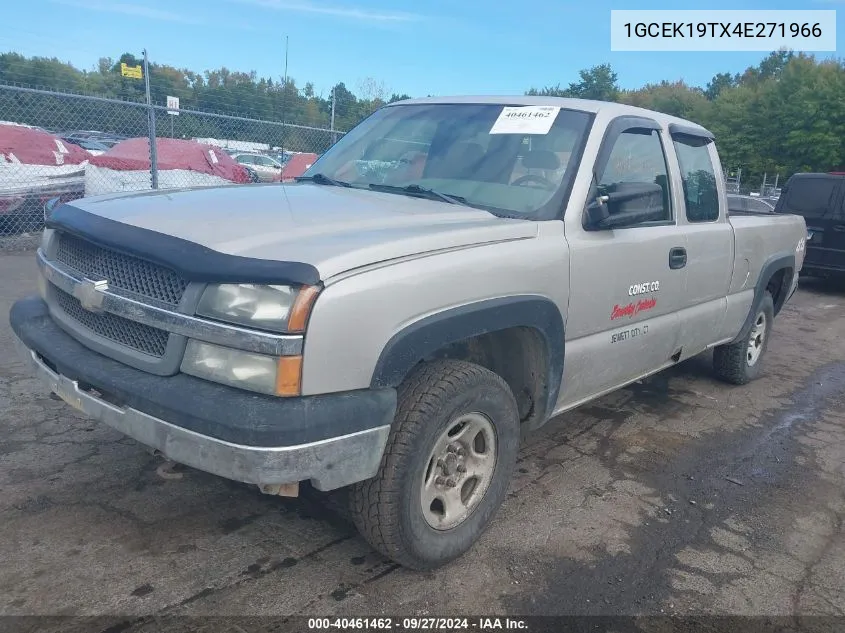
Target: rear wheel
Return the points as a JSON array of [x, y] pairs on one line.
[[740, 362], [446, 467]]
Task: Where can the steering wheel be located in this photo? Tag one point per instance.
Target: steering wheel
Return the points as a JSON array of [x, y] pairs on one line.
[[544, 182]]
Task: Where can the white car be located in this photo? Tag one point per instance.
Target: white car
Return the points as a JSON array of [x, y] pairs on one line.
[[749, 204], [267, 169]]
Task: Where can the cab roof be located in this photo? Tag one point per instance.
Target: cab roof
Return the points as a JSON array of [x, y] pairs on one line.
[[585, 105]]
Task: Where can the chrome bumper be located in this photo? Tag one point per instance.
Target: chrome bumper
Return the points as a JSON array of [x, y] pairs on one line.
[[328, 464]]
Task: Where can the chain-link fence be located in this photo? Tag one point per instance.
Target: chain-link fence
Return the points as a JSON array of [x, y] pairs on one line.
[[48, 150]]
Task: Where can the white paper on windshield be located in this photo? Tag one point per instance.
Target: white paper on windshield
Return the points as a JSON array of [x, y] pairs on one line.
[[61, 147], [60, 158], [525, 120], [213, 156]]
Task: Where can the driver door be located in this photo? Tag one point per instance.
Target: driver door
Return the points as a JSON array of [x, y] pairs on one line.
[[626, 284]]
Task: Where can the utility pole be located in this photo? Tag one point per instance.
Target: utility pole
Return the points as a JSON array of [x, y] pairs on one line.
[[285, 88], [285, 95], [151, 124], [334, 136], [286, 60]]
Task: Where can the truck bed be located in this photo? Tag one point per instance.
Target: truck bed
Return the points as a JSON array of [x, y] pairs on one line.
[[758, 237]]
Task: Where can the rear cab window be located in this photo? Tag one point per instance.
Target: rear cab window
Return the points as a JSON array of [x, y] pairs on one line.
[[701, 195]]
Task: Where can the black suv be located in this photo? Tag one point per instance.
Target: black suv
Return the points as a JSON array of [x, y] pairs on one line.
[[820, 198]]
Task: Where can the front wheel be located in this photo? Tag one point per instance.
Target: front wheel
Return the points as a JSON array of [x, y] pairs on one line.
[[740, 363], [446, 468]]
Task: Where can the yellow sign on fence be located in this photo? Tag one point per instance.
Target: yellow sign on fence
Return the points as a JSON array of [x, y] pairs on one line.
[[134, 72]]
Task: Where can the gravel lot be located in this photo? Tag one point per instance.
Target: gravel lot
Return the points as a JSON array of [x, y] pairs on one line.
[[679, 495]]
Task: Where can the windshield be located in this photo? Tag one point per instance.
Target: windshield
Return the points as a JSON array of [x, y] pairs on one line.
[[522, 167]]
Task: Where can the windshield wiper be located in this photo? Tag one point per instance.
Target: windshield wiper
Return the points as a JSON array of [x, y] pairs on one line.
[[416, 190], [322, 179]]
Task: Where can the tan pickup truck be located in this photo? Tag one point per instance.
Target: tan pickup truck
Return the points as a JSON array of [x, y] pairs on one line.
[[452, 273]]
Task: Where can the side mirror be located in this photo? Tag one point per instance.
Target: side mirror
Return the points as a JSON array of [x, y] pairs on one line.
[[628, 205]]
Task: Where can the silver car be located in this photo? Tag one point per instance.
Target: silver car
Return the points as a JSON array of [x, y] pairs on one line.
[[267, 169], [749, 204]]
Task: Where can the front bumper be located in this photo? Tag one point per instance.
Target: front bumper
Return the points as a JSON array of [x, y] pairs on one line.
[[332, 440]]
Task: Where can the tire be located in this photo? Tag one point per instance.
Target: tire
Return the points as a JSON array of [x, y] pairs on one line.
[[737, 363], [389, 510]]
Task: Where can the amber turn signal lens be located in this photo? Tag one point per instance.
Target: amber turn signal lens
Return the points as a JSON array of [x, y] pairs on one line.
[[288, 376], [301, 309]]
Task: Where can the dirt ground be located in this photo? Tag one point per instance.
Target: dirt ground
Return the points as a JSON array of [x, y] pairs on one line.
[[679, 495]]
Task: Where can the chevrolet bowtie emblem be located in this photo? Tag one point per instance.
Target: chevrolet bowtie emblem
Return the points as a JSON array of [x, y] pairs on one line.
[[90, 294]]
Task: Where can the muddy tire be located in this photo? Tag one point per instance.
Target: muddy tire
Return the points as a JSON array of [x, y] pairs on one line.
[[741, 362], [446, 467]]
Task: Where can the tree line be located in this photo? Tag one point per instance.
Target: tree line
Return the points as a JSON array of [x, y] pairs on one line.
[[784, 115], [220, 91]]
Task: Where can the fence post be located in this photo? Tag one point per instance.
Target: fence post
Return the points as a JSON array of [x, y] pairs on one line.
[[151, 126]]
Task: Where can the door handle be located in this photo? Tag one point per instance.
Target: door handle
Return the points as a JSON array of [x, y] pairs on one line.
[[677, 257]]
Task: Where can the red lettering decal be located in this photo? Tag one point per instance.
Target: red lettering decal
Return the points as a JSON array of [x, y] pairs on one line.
[[632, 308], [620, 311], [646, 304]]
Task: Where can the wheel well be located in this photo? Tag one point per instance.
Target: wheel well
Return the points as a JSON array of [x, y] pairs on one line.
[[519, 355], [778, 286]]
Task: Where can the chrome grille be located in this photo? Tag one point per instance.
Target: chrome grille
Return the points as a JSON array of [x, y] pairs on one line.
[[124, 272], [137, 336]]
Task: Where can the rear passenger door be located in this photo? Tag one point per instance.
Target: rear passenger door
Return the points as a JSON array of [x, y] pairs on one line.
[[837, 232], [820, 200], [832, 239], [709, 236], [626, 284]]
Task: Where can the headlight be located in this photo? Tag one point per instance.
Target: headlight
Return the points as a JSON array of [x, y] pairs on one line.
[[275, 308], [276, 376]]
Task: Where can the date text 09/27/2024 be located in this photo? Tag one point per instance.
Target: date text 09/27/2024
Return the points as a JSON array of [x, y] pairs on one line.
[[417, 624]]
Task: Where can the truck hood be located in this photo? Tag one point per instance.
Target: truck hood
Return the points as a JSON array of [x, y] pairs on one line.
[[334, 229]]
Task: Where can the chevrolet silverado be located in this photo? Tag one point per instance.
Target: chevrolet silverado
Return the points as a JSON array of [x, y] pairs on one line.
[[451, 274]]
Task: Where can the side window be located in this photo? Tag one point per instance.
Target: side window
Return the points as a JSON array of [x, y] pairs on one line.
[[246, 159], [637, 158], [698, 177]]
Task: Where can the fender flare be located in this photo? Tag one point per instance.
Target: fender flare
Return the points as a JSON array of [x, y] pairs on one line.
[[778, 261], [424, 337]]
